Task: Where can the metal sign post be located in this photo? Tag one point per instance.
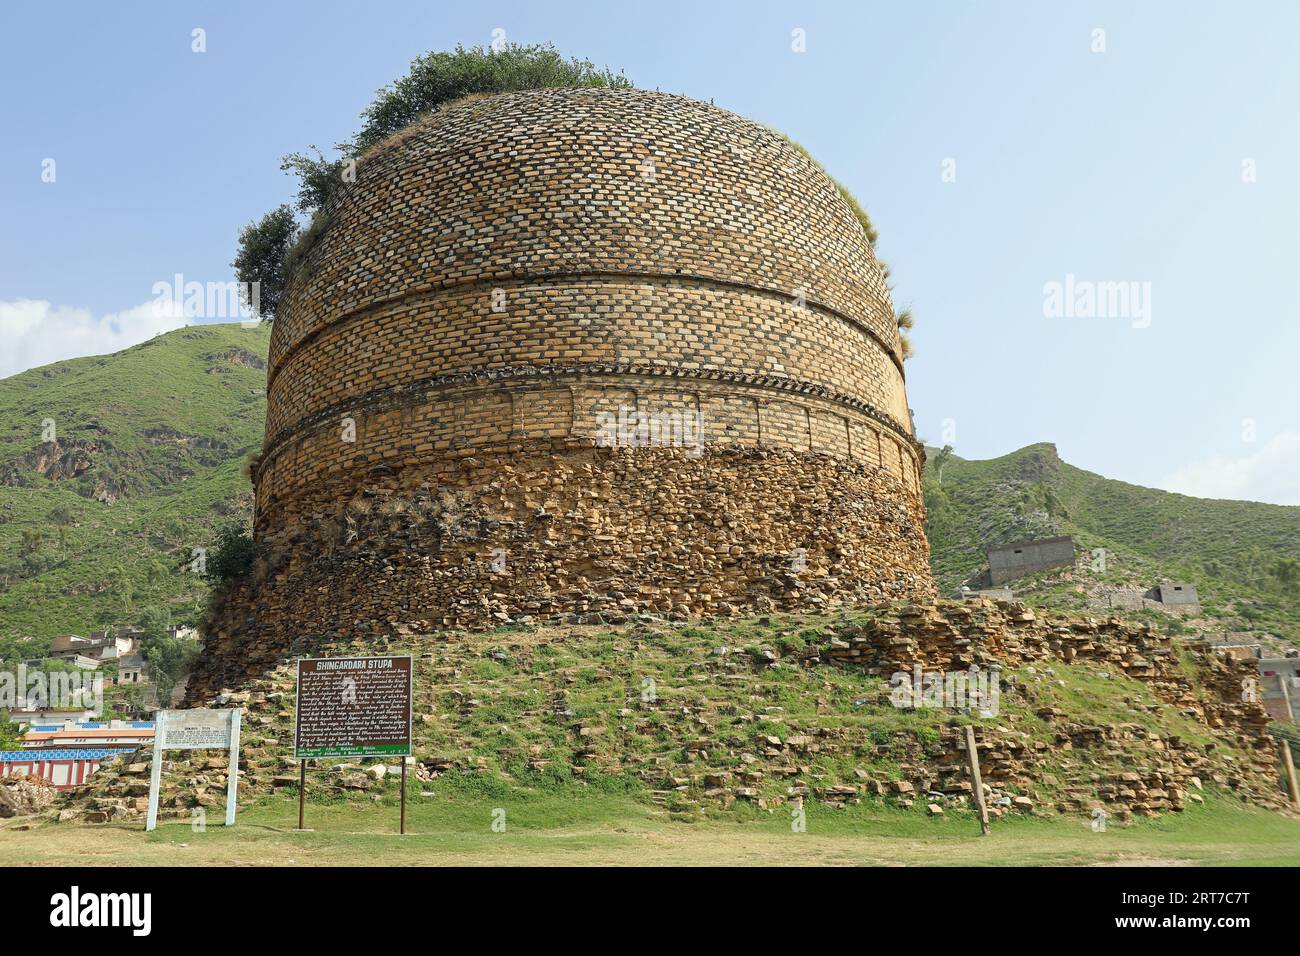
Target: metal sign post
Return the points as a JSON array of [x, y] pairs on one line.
[[155, 782], [195, 730], [1288, 767], [353, 707], [302, 790]]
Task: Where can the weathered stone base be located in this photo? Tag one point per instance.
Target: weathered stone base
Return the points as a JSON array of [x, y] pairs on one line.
[[543, 534]]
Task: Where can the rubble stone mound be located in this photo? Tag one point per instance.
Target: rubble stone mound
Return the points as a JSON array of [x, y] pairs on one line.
[[1094, 716], [24, 796]]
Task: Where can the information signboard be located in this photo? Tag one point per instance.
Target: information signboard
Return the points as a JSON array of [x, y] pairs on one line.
[[195, 730], [353, 707]]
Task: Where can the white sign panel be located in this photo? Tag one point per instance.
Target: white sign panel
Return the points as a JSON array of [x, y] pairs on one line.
[[195, 730]]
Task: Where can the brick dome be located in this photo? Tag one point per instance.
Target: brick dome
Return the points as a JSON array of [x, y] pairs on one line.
[[577, 302]]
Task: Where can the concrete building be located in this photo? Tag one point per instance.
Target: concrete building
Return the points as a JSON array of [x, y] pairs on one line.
[[115, 733], [98, 646], [68, 754], [46, 716], [1010, 561], [1279, 684], [1176, 594], [132, 669], [80, 660], [61, 767], [127, 632]]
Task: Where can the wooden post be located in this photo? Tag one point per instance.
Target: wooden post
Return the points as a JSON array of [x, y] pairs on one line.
[[977, 785], [402, 831], [1289, 767], [302, 788]]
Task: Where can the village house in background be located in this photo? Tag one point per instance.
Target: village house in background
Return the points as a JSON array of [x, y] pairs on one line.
[[49, 716], [132, 669], [109, 645], [1180, 599], [1279, 685], [1010, 561], [1176, 594], [65, 753], [96, 649], [64, 747], [122, 645]]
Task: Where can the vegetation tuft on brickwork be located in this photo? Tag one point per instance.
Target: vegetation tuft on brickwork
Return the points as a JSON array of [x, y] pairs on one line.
[[271, 249]]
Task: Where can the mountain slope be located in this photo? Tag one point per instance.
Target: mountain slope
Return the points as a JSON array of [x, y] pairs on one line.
[[147, 460], [1241, 555]]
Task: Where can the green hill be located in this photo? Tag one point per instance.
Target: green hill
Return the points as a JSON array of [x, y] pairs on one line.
[[1243, 557], [147, 460]]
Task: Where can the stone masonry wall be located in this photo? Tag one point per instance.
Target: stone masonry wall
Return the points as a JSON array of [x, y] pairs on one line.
[[408, 433], [583, 534], [690, 327], [517, 283]]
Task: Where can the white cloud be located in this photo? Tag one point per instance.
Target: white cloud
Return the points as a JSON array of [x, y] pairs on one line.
[[33, 332], [1271, 474]]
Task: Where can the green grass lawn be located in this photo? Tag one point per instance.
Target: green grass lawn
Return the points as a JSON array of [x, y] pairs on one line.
[[455, 827]]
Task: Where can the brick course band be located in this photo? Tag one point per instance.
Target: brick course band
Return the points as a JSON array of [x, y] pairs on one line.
[[512, 281], [418, 393], [659, 319], [406, 435], [508, 280]]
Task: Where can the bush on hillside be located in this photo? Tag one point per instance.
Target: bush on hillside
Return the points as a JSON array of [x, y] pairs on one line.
[[231, 556], [169, 658], [11, 737]]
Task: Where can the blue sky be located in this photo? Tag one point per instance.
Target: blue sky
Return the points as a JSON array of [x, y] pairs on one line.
[[1117, 166]]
